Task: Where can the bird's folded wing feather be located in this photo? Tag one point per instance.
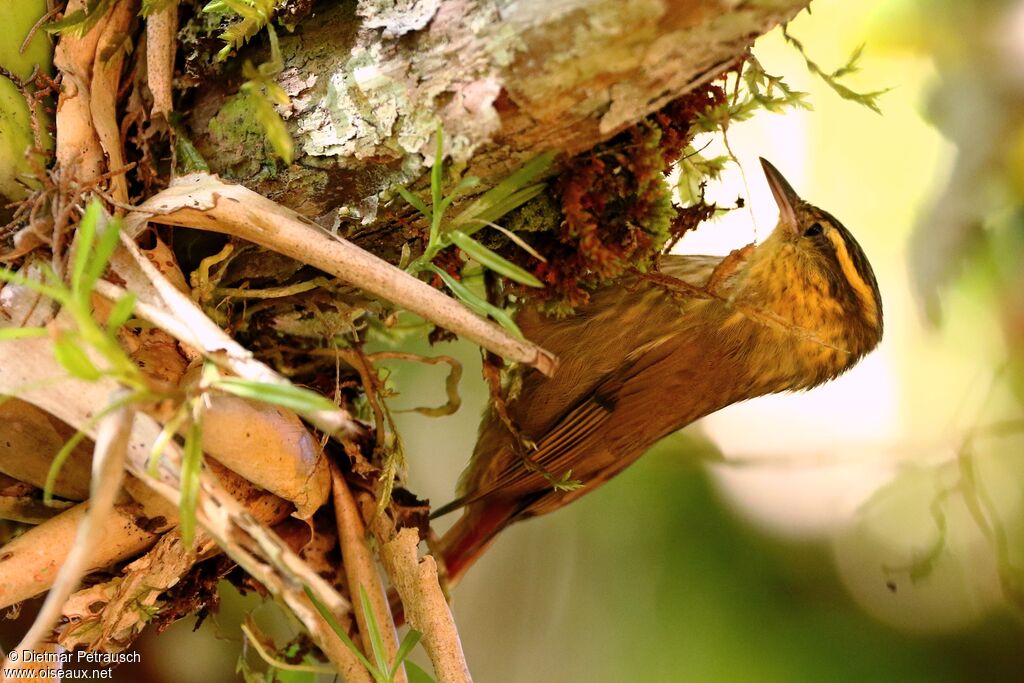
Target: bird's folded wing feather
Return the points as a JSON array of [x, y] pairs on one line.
[[569, 441]]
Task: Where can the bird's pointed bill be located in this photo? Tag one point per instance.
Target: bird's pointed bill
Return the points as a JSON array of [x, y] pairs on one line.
[[785, 196]]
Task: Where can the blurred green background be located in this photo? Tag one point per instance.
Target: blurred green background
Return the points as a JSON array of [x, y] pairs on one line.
[[869, 530]]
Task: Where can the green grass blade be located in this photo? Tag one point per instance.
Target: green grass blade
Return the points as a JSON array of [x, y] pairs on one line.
[[12, 333], [417, 674], [376, 642], [477, 304], [120, 313], [508, 194], [492, 260], [85, 238], [340, 632], [404, 649], [285, 395], [105, 247], [415, 201], [69, 353], [49, 291], [191, 468]]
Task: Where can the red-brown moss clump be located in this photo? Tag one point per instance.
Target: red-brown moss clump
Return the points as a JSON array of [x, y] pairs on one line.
[[615, 202]]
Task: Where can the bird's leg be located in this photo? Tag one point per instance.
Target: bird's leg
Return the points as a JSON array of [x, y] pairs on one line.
[[727, 267]]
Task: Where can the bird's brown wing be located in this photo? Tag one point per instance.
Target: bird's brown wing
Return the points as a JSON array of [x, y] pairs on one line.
[[568, 443]]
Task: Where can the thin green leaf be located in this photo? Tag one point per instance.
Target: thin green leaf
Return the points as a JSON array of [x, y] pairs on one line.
[[120, 313], [69, 353], [69, 446], [167, 433], [85, 237], [412, 637], [417, 674], [285, 395], [57, 294], [58, 462], [495, 203], [477, 304], [12, 333], [436, 170], [488, 212], [215, 6], [340, 632], [376, 642], [492, 260], [105, 246], [81, 21], [415, 201], [191, 468]]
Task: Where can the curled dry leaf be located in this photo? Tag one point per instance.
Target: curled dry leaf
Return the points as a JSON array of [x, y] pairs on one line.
[[270, 447], [31, 438]]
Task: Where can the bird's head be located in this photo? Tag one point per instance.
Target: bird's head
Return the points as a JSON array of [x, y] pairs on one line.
[[812, 272]]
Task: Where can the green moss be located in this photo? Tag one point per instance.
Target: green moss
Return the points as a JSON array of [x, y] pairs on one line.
[[240, 141]]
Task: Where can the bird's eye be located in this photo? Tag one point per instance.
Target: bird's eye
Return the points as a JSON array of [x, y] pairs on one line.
[[814, 230]]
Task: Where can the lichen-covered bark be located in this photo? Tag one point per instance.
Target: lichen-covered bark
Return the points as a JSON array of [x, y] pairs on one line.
[[370, 82]]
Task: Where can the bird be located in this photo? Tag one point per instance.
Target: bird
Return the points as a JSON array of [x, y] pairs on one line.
[[654, 352]]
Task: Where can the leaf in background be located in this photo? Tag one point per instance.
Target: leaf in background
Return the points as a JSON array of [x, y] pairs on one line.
[[416, 674]]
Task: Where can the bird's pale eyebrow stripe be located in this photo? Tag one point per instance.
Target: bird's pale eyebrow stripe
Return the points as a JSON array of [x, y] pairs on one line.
[[853, 276]]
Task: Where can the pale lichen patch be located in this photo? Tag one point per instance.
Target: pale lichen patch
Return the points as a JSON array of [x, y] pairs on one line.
[[397, 17]]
